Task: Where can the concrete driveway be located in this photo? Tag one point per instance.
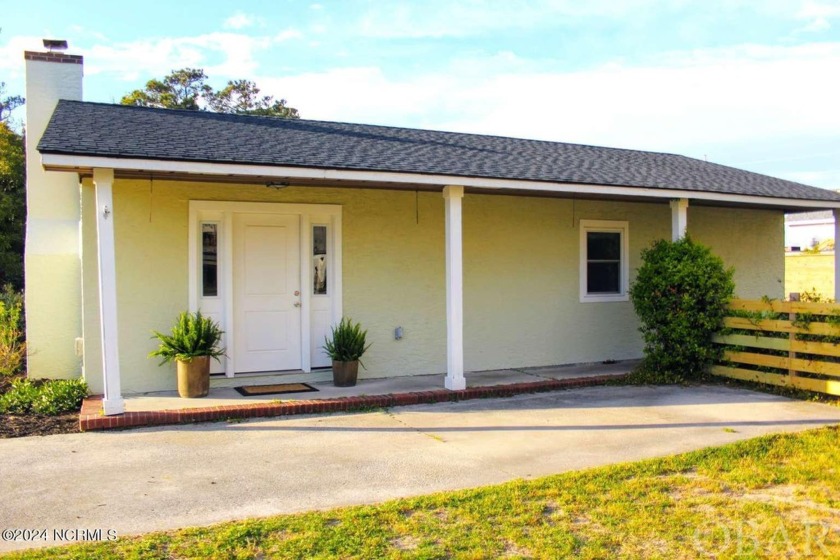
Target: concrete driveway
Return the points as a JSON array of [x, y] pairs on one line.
[[152, 479]]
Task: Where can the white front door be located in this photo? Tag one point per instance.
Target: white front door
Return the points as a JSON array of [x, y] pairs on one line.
[[266, 292]]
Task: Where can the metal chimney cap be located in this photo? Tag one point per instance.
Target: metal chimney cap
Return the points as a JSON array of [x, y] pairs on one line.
[[55, 44]]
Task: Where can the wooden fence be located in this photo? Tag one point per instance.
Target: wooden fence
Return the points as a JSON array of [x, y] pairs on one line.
[[787, 343]]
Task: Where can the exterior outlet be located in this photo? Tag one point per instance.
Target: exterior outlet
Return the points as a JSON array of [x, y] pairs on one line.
[[80, 347], [52, 259]]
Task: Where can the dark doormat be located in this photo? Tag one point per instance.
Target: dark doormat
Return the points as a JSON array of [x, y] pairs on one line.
[[276, 389]]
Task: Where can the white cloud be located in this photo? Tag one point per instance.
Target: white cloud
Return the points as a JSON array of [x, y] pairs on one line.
[[11, 54], [818, 15], [816, 25], [359, 94], [239, 20], [221, 54], [689, 103], [812, 10], [445, 18], [288, 34]]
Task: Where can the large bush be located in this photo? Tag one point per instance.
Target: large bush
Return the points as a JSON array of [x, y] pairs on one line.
[[680, 295]]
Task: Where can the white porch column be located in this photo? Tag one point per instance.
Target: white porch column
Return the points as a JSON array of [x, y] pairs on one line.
[[836, 254], [679, 218], [103, 180], [454, 290]]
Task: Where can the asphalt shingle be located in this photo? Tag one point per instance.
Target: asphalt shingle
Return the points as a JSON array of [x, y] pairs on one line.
[[96, 129]]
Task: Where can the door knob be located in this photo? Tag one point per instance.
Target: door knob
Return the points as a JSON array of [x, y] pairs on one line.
[[297, 292]]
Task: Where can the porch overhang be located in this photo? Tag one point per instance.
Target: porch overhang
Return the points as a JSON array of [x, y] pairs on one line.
[[133, 168]]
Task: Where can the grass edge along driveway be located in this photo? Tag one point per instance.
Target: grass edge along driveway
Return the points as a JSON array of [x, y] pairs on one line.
[[770, 497]]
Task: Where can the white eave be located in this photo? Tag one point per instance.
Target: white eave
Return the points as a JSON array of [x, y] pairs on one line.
[[259, 173]]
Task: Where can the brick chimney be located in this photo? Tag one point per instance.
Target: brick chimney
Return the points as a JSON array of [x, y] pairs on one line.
[[52, 257]]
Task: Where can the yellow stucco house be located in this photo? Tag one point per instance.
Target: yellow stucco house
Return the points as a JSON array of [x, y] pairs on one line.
[[485, 252]]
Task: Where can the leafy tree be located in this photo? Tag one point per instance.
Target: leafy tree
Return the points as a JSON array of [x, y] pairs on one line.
[[12, 205], [188, 89], [8, 104], [242, 97], [680, 294], [182, 89], [12, 194]]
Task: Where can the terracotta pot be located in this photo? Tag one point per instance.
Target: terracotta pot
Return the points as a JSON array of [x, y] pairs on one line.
[[194, 377], [345, 373]]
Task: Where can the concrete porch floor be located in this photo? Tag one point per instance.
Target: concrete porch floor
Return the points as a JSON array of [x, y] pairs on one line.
[[227, 396], [224, 403]]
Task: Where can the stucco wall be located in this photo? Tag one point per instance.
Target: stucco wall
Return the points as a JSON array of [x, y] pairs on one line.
[[752, 241], [521, 273]]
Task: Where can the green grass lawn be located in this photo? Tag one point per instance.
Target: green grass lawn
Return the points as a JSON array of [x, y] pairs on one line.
[[771, 497]]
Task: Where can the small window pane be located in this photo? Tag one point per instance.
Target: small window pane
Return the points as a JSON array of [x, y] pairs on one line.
[[603, 277], [209, 260], [603, 246], [319, 260]]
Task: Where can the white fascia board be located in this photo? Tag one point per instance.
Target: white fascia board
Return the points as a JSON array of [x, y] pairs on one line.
[[55, 162], [827, 222]]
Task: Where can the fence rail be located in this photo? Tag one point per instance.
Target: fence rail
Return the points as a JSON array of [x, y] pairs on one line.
[[785, 343]]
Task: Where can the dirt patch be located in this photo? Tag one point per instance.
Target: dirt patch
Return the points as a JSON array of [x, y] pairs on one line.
[[405, 542], [12, 426], [789, 494], [514, 550]]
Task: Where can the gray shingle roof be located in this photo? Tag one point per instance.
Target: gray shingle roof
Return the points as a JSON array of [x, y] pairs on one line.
[[95, 129]]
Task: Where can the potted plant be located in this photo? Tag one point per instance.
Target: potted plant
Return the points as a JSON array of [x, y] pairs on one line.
[[345, 347], [194, 340]]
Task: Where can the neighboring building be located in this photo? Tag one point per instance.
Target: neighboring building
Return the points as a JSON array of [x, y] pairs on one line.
[[806, 230], [489, 252], [809, 262]]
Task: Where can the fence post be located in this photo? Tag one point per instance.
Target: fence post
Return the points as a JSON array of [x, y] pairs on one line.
[[794, 296]]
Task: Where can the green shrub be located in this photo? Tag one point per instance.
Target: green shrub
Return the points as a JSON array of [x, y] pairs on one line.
[[680, 295], [347, 343], [12, 345], [49, 397], [60, 396], [19, 399], [193, 335]]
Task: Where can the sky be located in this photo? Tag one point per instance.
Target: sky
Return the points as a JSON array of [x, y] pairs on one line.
[[750, 83]]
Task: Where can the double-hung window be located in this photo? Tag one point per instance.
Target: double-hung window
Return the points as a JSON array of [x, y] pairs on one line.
[[604, 267]]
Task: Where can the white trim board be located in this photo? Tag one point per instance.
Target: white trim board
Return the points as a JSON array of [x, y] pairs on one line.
[[60, 162], [222, 212]]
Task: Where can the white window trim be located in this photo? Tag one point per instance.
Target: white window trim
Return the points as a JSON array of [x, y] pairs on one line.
[[610, 226]]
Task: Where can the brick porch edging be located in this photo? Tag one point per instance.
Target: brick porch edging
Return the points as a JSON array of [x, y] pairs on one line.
[[91, 417]]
